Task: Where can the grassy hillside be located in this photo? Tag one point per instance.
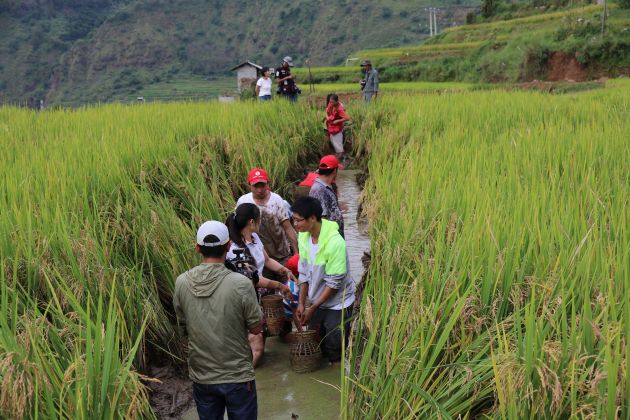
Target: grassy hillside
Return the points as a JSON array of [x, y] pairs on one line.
[[565, 42], [74, 51]]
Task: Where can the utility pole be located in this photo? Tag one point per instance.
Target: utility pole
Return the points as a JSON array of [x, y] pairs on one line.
[[435, 27], [604, 16], [430, 22], [310, 75]]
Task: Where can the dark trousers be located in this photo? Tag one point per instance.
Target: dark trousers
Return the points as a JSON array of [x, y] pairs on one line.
[[239, 400], [328, 323], [293, 97]]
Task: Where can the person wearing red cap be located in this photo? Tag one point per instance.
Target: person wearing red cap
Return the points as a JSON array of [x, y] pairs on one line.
[[322, 189], [276, 232]]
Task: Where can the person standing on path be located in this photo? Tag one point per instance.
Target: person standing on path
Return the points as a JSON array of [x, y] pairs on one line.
[[217, 308], [369, 84], [276, 232], [263, 86], [286, 81], [323, 191], [335, 118], [323, 276]]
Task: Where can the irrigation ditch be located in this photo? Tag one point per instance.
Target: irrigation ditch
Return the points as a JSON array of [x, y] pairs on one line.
[[302, 395]]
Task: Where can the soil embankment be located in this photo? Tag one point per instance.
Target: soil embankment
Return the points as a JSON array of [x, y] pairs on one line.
[[563, 66]]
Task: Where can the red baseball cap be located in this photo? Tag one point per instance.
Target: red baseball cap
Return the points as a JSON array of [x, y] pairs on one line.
[[257, 175], [292, 264], [329, 162]]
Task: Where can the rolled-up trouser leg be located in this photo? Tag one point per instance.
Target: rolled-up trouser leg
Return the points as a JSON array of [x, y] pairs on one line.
[[337, 142]]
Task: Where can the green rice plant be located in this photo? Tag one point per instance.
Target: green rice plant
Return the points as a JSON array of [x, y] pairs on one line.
[[499, 276], [100, 206]]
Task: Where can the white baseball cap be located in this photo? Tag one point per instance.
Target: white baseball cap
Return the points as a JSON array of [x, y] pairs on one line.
[[212, 227]]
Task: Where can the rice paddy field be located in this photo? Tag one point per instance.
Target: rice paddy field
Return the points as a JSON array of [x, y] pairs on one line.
[[500, 271]]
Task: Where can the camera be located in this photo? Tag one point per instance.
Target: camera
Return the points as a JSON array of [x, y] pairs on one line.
[[243, 264]]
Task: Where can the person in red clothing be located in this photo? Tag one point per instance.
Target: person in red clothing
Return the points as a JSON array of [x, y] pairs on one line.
[[309, 180], [335, 119]]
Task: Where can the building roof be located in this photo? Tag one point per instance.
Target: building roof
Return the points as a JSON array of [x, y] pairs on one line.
[[247, 63]]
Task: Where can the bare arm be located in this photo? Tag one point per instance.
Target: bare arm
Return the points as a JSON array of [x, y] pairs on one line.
[[272, 284], [257, 90], [326, 294], [256, 329], [307, 313], [271, 264], [291, 236], [291, 76]]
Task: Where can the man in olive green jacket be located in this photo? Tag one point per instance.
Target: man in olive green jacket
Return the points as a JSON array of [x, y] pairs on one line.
[[216, 308]]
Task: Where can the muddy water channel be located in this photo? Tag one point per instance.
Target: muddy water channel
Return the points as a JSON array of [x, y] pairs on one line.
[[284, 394]]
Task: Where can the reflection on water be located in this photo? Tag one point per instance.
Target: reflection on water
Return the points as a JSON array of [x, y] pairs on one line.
[[356, 232]]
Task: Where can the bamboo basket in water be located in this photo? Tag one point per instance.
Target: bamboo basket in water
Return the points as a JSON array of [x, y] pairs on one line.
[[273, 312], [304, 352]]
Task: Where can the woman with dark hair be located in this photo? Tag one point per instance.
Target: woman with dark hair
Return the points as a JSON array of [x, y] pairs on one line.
[[335, 118], [243, 225], [263, 86]]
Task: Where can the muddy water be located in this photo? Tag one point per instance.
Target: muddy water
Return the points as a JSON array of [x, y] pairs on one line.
[[282, 393], [356, 230]]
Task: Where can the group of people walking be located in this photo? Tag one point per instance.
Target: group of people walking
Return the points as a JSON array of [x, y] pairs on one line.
[[295, 249]]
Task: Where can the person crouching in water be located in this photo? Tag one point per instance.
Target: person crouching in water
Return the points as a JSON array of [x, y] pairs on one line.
[[243, 225], [324, 277], [335, 118]]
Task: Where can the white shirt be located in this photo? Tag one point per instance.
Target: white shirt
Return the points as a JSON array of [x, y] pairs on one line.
[[313, 251], [272, 233], [255, 248], [265, 86]]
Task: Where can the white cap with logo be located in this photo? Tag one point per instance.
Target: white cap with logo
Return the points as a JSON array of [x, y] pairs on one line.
[[212, 227]]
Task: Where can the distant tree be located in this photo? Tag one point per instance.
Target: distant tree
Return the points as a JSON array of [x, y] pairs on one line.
[[489, 8], [624, 4], [386, 12], [471, 17]]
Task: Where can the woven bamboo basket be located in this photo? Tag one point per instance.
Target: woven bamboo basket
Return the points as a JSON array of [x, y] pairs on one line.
[[304, 352], [273, 312]]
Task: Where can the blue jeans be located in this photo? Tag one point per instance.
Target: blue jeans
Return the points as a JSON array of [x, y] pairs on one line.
[[239, 399], [264, 98]]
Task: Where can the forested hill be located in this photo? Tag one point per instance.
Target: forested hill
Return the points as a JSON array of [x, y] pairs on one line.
[[88, 50]]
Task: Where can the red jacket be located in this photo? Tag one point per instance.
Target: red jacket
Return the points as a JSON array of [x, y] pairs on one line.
[[333, 114], [309, 180]]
